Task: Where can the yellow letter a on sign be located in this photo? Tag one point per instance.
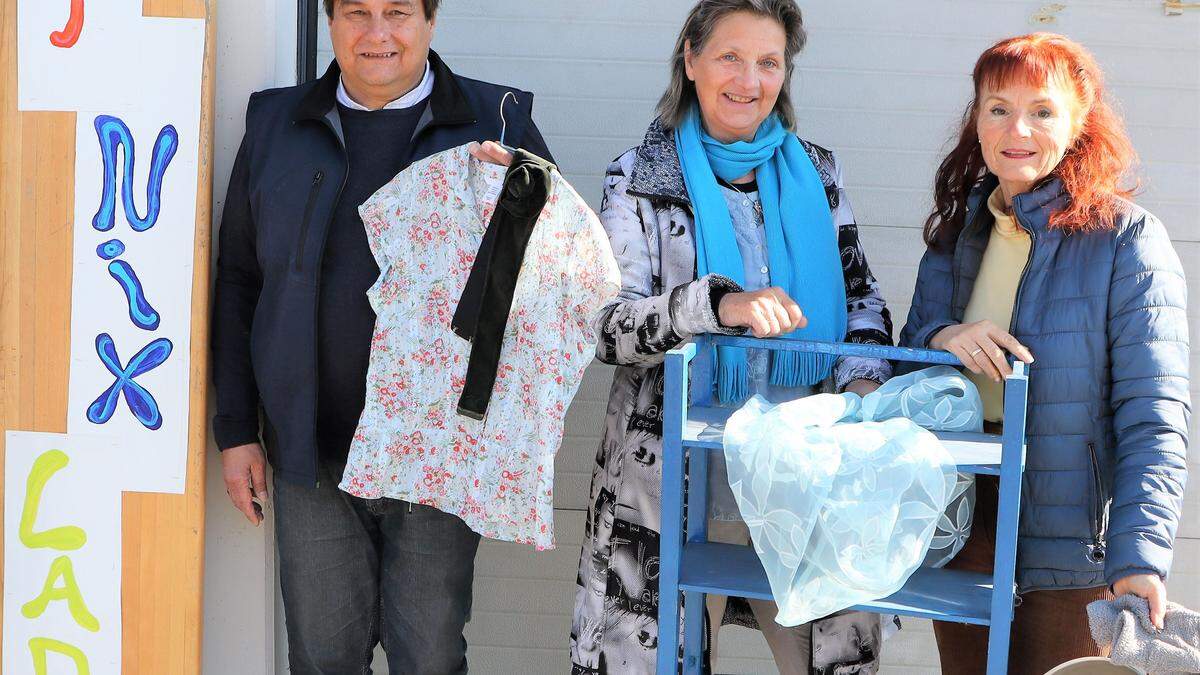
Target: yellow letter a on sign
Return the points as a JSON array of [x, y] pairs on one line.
[[69, 591]]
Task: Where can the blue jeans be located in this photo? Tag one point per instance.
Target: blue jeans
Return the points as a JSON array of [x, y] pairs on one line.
[[356, 572]]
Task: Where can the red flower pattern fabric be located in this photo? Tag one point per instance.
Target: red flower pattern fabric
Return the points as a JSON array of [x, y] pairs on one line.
[[497, 474]]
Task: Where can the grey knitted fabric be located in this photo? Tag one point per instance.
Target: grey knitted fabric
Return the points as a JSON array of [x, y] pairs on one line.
[[1124, 624]]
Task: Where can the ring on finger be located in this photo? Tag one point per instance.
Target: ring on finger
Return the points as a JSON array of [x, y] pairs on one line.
[[976, 352]]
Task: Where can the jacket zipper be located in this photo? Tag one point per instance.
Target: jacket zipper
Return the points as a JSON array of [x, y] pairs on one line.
[[1012, 322], [1096, 549], [313, 191], [957, 264], [1012, 326]]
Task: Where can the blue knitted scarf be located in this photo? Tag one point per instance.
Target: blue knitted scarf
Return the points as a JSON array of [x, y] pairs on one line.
[[801, 241]]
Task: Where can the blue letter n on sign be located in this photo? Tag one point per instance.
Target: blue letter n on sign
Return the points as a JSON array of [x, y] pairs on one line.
[[113, 132]]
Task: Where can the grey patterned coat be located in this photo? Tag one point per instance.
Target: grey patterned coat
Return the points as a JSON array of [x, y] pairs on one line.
[[647, 214]]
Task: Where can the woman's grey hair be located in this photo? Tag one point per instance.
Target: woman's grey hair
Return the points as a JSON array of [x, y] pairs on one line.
[[681, 92]]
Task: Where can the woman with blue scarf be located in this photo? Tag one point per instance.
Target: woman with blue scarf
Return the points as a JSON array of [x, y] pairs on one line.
[[723, 221]]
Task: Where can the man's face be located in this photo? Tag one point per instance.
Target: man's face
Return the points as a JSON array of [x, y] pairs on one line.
[[381, 46]]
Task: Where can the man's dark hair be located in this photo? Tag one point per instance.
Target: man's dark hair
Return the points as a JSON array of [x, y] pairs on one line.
[[431, 7]]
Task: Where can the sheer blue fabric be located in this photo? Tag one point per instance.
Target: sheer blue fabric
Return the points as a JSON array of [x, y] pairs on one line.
[[842, 494]]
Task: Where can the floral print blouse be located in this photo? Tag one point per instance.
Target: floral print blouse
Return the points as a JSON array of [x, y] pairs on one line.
[[424, 228]]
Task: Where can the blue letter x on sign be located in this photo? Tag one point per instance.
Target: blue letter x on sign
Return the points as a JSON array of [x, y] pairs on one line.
[[141, 403]]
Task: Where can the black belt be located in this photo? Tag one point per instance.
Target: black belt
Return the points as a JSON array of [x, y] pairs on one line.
[[483, 309]]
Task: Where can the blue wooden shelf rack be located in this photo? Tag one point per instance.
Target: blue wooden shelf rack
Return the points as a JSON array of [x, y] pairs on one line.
[[693, 566]]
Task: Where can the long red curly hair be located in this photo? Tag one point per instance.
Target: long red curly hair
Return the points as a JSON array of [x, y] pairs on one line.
[[1093, 167]]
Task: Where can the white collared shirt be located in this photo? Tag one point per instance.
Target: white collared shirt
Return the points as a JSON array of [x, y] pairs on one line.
[[408, 100]]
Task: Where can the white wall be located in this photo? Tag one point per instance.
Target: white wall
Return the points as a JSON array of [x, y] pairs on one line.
[[882, 83], [256, 49]]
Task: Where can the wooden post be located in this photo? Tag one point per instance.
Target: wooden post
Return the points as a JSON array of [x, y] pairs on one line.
[[163, 534]]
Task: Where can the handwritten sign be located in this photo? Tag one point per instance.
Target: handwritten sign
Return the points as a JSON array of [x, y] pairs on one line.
[[135, 84]]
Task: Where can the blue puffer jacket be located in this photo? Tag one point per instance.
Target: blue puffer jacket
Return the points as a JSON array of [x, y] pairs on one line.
[[1104, 314]]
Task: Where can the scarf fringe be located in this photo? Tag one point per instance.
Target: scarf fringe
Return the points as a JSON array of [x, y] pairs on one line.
[[788, 369], [796, 369], [733, 375]]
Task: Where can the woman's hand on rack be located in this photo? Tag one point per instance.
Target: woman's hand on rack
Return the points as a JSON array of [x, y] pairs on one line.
[[490, 152], [1147, 586], [981, 346], [862, 387], [767, 313]]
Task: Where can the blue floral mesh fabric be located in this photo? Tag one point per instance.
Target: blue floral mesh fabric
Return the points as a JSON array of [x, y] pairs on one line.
[[843, 495]]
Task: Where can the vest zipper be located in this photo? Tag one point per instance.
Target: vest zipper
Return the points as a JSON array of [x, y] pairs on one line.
[[313, 191], [317, 302], [317, 295], [317, 308]]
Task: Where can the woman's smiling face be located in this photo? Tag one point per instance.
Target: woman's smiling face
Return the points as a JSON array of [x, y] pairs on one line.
[[738, 74], [1024, 131]]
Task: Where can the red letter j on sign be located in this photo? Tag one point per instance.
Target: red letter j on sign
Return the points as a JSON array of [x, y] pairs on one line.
[[69, 35]]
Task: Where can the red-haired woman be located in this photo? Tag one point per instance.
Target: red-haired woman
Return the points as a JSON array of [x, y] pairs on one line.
[[1035, 251]]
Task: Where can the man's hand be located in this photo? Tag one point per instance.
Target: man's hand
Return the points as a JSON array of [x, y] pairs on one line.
[[245, 469], [766, 313], [1150, 587], [981, 347], [491, 152]]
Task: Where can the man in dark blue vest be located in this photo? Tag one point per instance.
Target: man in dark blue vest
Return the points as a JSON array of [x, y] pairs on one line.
[[292, 334]]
